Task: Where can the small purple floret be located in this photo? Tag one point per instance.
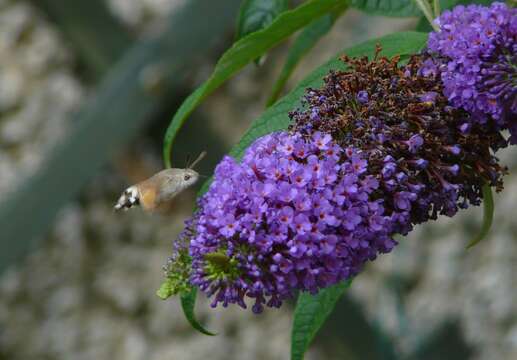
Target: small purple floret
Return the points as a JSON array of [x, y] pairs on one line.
[[362, 97]]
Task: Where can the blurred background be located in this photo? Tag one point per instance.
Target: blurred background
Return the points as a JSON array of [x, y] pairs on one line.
[[87, 89]]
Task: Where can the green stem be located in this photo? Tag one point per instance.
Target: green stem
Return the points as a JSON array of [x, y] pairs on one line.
[[436, 5], [424, 6]]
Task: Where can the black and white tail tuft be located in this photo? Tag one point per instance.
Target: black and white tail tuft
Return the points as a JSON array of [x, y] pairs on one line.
[[128, 199]]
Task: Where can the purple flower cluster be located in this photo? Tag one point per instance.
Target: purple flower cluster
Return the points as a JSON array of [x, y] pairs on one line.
[[296, 214], [475, 52]]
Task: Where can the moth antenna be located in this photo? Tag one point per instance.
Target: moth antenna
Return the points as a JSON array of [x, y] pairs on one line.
[[189, 157], [199, 158]]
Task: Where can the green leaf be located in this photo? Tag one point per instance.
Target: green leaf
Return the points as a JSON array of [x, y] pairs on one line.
[[188, 302], [395, 8], [243, 52], [309, 315], [255, 15], [309, 36], [488, 215], [423, 25]]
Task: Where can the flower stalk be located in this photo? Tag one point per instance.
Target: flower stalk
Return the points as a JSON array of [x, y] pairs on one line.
[[436, 8], [425, 7]]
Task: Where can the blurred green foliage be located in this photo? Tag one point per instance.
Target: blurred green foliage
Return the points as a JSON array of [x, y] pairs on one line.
[[124, 101], [96, 36]]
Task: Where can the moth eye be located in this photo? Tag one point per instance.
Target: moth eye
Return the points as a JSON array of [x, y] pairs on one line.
[[187, 177]]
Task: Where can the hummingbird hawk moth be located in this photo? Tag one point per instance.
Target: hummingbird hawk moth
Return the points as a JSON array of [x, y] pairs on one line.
[[159, 188]]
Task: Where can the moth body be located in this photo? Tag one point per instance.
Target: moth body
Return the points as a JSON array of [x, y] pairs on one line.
[[158, 189]]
